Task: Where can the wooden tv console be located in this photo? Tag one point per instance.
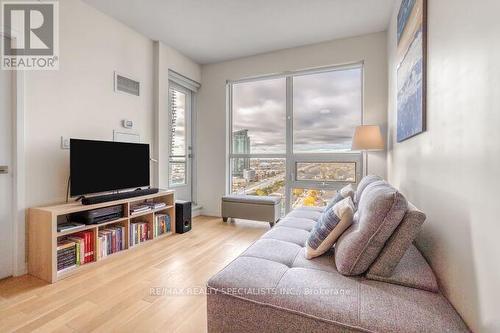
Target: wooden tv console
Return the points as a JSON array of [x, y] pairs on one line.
[[43, 234]]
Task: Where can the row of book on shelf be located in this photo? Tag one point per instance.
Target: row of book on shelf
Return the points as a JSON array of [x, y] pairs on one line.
[[79, 248], [75, 250], [110, 240], [146, 207], [141, 231]]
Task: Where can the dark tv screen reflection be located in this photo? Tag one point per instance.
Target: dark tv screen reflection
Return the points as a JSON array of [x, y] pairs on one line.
[[103, 166]]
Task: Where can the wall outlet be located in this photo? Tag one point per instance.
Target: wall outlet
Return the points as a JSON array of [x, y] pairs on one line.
[[64, 142]]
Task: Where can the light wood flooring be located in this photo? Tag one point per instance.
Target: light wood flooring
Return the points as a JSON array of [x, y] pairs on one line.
[[118, 294]]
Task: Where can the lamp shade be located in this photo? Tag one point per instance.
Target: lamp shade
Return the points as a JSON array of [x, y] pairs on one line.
[[367, 138]]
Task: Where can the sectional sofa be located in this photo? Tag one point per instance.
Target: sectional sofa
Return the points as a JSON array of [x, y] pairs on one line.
[[272, 287]]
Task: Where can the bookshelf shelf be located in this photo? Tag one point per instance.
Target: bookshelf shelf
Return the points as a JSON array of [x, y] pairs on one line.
[[151, 211], [73, 231], [91, 226], [43, 235]]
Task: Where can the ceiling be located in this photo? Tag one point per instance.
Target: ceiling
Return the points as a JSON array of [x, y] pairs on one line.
[[210, 31]]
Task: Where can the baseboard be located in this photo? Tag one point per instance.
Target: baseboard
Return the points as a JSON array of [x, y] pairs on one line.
[[196, 211]]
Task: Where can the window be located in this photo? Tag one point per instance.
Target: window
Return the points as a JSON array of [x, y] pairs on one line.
[[311, 197], [291, 134], [259, 110], [261, 176], [326, 171], [326, 110], [178, 136]]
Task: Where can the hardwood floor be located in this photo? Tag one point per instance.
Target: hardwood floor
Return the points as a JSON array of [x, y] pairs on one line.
[[130, 292]]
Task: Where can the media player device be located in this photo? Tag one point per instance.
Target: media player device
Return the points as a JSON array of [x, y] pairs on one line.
[[100, 215]]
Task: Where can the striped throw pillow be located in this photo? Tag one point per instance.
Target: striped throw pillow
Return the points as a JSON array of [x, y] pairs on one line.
[[332, 223], [346, 191]]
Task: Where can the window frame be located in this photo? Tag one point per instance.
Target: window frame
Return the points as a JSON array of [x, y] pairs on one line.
[[291, 158]]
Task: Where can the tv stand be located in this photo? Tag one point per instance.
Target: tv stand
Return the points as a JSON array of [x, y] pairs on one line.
[[43, 234], [118, 196]]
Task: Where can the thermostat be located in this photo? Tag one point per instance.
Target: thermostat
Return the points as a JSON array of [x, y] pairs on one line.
[[127, 123]]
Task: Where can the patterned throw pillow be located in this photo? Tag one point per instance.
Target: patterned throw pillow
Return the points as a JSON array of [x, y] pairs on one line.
[[329, 227], [346, 191]]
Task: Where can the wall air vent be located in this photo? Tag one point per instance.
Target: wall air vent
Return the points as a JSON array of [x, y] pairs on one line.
[[127, 85]]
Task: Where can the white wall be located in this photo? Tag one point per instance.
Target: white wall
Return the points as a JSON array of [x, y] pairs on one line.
[[451, 171], [212, 100], [78, 100]]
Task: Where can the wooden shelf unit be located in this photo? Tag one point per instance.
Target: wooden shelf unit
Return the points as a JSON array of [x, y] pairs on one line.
[[43, 235]]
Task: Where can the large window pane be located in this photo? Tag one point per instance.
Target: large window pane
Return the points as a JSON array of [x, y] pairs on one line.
[[311, 197], [326, 171], [178, 123], [259, 109], [260, 176], [177, 171], [326, 110]]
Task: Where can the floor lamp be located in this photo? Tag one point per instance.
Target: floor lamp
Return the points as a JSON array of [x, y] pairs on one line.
[[367, 138]]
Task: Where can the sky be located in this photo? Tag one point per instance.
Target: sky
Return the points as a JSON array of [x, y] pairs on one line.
[[326, 108], [178, 148]]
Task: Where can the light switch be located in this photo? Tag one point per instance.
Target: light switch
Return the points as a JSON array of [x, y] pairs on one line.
[[64, 142]]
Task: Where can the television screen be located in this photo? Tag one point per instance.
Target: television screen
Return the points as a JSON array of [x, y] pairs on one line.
[[101, 166]]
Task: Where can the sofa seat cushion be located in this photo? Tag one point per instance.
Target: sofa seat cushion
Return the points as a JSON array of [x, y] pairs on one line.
[[311, 208], [311, 214], [274, 250], [387, 307], [313, 293], [326, 262], [412, 271], [287, 234], [297, 223]]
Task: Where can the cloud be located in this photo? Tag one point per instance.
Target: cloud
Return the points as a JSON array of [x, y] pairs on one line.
[[327, 108]]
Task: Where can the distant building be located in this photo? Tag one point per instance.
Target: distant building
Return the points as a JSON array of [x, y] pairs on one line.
[[241, 145], [249, 175]]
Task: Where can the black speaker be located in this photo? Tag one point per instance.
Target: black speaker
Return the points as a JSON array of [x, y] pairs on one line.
[[182, 216]]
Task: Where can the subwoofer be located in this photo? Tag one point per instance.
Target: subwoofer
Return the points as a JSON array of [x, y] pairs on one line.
[[182, 216]]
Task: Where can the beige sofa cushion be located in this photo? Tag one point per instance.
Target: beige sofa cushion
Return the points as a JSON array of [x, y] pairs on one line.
[[380, 210], [412, 271], [367, 180], [398, 243]]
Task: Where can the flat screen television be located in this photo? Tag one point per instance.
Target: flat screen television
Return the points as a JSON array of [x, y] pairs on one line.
[[103, 166]]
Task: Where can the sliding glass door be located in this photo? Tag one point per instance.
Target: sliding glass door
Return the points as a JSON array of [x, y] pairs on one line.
[[180, 142], [291, 134]]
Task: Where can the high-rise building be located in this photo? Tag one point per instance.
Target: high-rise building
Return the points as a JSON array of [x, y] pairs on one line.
[[241, 145]]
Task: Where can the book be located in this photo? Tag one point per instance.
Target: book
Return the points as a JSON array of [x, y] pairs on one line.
[[79, 248], [66, 254], [88, 245], [139, 208], [110, 240], [156, 205], [69, 226], [140, 232]]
